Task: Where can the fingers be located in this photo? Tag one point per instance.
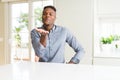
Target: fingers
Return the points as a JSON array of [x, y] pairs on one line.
[[70, 62], [42, 31]]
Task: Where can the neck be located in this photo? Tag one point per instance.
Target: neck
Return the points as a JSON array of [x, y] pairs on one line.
[[48, 27]]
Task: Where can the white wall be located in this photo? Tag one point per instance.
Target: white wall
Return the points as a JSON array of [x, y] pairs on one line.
[[77, 15]]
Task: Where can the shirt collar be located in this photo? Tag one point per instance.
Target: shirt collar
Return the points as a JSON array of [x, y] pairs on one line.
[[51, 29]]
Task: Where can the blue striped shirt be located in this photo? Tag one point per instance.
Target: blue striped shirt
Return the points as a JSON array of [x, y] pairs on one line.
[[54, 50]]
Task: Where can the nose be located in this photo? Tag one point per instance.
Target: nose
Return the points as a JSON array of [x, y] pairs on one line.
[[47, 15]]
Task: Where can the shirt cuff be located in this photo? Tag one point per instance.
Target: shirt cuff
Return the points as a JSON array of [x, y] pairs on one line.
[[76, 61]]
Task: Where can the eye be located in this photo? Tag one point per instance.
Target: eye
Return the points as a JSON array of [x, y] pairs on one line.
[[51, 14], [44, 14]]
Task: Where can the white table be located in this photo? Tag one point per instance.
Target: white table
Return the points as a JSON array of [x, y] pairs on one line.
[[57, 71]]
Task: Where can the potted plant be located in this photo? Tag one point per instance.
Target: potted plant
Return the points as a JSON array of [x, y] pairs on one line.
[[110, 42]]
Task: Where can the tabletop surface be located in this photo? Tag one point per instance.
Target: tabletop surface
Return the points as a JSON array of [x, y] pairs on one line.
[[57, 71]]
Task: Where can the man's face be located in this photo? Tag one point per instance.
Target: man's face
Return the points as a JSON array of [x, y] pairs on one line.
[[48, 17]]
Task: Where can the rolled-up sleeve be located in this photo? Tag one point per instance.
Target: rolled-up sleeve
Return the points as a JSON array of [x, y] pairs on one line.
[[73, 42], [38, 47]]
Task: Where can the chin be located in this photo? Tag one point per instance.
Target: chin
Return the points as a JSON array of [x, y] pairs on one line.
[[46, 24]]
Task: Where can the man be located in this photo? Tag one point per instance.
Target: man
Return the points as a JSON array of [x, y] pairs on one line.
[[49, 40]]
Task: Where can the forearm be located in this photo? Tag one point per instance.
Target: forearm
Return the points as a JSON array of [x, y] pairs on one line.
[[78, 56], [43, 40], [38, 44]]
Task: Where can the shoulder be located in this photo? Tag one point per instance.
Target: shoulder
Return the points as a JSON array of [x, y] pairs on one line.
[[60, 28]]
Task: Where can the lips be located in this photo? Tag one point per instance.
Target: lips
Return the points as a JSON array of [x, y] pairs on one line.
[[47, 20]]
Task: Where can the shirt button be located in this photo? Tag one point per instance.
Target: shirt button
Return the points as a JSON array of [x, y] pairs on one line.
[[50, 48]]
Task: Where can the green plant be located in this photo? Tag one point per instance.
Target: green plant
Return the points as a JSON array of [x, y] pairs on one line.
[[116, 45], [107, 40], [23, 23], [110, 39], [38, 16], [17, 36]]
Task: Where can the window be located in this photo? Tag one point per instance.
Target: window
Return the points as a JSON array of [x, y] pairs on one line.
[[107, 28], [24, 17]]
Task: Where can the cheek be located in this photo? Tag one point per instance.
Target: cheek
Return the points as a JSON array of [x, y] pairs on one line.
[[43, 18], [53, 18]]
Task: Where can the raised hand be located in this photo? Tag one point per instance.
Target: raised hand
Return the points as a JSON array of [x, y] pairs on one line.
[[42, 31], [44, 35]]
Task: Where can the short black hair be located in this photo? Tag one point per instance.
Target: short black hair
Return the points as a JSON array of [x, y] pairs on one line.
[[50, 6]]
